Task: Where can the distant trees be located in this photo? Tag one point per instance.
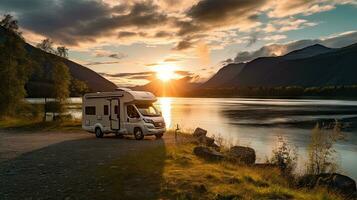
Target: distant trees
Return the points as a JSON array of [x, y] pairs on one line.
[[62, 51], [47, 45], [281, 91], [15, 68], [10, 24]]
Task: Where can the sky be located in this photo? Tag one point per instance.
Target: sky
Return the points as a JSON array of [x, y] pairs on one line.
[[130, 42]]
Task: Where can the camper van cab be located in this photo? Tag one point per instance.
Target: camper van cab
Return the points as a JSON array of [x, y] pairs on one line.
[[122, 112]]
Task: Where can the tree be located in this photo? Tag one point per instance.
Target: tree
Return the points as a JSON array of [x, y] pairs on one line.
[[61, 79], [46, 45], [62, 51], [78, 87], [10, 24], [284, 156], [15, 69]]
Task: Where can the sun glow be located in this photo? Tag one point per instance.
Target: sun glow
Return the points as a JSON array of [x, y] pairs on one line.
[[165, 73]]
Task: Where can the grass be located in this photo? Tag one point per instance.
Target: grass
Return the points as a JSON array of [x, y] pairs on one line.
[[173, 172], [27, 124]]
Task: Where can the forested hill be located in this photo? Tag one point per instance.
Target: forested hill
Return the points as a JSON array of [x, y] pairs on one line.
[[42, 64]]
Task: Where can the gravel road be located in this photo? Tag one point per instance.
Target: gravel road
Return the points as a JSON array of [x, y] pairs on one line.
[[59, 165]]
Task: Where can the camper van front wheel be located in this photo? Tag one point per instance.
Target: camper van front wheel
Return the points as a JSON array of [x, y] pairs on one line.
[[138, 134], [98, 132]]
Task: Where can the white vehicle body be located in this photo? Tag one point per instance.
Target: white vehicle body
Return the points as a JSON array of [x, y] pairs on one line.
[[122, 112]]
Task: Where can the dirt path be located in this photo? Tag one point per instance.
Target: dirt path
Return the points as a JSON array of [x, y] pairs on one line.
[[56, 165]]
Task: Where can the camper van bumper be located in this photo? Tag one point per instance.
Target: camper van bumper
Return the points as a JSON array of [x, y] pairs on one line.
[[153, 131]]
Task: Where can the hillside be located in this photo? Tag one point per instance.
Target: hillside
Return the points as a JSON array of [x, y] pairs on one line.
[[40, 80], [224, 75], [311, 66]]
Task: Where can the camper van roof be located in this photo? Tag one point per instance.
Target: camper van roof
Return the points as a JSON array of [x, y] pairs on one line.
[[129, 95]]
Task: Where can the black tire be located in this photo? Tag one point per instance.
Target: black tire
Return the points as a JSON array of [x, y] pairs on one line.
[[138, 134], [98, 132], [159, 136]]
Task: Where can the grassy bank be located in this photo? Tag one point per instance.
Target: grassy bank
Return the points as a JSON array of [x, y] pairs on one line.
[[173, 172]]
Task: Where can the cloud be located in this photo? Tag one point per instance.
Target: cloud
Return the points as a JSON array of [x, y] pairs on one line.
[[171, 60], [70, 22], [136, 75], [102, 63], [105, 53], [334, 41], [180, 23], [182, 45]]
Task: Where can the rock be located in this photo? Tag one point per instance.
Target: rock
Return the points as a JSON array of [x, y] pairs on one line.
[[240, 154], [333, 181], [207, 153], [199, 132], [205, 140]]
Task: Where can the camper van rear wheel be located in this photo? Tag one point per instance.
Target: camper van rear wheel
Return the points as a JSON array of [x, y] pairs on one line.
[[138, 134], [98, 132]]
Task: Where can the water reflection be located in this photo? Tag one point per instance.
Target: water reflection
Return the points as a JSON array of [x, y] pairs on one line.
[[165, 107]]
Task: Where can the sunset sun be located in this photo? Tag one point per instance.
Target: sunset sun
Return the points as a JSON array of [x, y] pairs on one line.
[[165, 73]]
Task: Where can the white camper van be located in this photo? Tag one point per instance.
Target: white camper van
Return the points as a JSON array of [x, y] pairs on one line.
[[122, 112]]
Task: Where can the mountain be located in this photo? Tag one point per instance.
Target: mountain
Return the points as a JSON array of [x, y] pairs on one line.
[[40, 79], [311, 66], [224, 75], [177, 87], [307, 52]]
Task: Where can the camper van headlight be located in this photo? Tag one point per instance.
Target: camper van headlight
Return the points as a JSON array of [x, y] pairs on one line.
[[150, 121]]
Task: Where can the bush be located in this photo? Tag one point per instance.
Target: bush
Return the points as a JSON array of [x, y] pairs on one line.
[[321, 151], [284, 156]]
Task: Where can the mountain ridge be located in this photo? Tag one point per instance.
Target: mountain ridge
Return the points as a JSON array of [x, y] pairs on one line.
[[303, 67], [43, 60]]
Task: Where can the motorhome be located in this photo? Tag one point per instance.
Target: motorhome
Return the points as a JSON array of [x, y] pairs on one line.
[[122, 112]]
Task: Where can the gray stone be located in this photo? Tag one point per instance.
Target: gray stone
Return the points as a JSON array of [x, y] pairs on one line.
[[333, 181], [199, 132], [207, 153], [243, 155]]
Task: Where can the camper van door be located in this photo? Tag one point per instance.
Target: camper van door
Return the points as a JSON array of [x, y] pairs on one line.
[[114, 114]]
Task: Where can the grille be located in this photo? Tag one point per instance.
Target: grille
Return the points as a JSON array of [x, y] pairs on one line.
[[159, 124]]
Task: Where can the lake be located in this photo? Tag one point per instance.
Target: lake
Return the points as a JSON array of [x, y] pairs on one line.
[[258, 122]]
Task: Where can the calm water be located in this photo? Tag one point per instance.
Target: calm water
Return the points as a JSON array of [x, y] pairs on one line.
[[258, 122]]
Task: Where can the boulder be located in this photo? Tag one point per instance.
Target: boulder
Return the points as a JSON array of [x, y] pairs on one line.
[[199, 132], [205, 140], [243, 155], [207, 153], [333, 181]]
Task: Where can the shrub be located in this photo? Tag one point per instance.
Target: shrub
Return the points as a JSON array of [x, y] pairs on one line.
[[284, 156], [321, 151]]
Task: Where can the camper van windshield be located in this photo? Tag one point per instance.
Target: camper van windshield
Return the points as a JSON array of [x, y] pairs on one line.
[[147, 110]]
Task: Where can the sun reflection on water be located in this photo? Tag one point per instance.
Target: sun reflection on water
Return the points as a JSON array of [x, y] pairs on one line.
[[165, 106]]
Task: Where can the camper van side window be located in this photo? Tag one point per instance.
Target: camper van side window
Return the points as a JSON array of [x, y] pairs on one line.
[[90, 110], [106, 110]]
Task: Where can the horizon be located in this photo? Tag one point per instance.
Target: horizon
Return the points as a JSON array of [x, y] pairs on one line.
[[134, 42]]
